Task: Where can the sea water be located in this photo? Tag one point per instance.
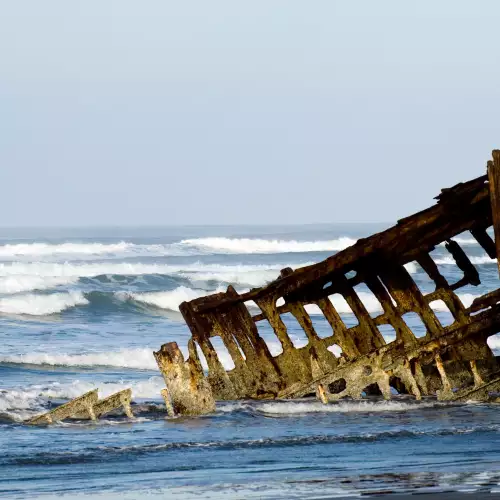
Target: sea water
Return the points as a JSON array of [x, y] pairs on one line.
[[85, 308]]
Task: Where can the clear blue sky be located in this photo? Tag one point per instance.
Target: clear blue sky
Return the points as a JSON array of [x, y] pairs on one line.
[[227, 112]]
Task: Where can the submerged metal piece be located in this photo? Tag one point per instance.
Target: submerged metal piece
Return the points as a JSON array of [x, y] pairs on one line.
[[87, 406], [452, 361]]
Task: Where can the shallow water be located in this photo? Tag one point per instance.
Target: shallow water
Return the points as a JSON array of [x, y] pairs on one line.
[[82, 308]]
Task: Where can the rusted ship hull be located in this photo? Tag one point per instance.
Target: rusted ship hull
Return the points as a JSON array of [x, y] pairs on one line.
[[451, 361]]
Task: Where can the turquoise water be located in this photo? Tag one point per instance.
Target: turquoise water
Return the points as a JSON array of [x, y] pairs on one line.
[[85, 308]]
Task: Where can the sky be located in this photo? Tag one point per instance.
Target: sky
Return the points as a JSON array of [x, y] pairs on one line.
[[159, 112]]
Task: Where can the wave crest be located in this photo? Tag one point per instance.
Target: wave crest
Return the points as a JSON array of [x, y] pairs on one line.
[[185, 247], [141, 358], [169, 300], [26, 283], [41, 305], [254, 245], [49, 249]]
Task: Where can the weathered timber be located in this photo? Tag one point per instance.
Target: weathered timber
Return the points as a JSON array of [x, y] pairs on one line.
[[451, 361], [87, 406], [84, 403]]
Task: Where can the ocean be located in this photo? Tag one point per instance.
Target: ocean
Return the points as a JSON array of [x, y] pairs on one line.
[[85, 308]]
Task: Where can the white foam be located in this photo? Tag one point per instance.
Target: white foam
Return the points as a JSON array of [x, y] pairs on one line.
[[494, 342], [251, 245], [22, 403], [26, 283], [85, 251], [140, 358], [137, 359], [212, 245], [146, 388], [48, 249], [41, 305], [169, 300], [464, 241], [480, 259], [411, 267], [87, 269], [295, 407], [26, 276], [240, 275]]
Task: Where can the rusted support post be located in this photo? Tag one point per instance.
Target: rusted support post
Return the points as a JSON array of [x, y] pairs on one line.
[[268, 308], [430, 267], [416, 370], [321, 394], [368, 336], [257, 373], [340, 333], [168, 402], [189, 391], [484, 239], [494, 182], [477, 377], [408, 297], [405, 374], [403, 333], [471, 276], [446, 393]]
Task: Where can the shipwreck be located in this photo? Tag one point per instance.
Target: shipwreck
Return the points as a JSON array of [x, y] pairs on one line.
[[452, 362]]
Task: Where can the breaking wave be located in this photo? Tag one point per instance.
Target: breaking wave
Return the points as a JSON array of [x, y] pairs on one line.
[[169, 300], [48, 249], [213, 245], [20, 277], [33, 304], [23, 403], [26, 283], [251, 245], [41, 305], [134, 358], [464, 241], [480, 259], [86, 269], [140, 358], [137, 358]]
